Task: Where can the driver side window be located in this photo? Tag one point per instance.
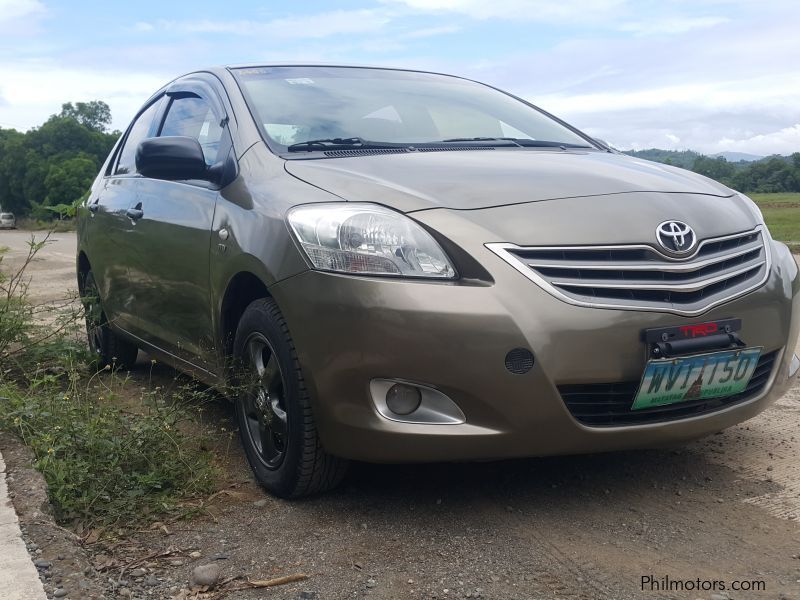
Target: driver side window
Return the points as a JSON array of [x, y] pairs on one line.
[[141, 129], [192, 116]]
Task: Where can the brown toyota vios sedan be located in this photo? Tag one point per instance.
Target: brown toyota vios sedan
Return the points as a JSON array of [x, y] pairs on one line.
[[396, 266]]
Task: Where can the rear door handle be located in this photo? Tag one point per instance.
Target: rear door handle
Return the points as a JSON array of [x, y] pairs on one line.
[[135, 213]]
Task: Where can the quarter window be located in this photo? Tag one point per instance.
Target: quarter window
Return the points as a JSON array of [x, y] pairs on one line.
[[193, 117]]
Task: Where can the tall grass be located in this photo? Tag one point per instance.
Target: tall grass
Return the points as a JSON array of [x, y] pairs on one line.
[[104, 465]]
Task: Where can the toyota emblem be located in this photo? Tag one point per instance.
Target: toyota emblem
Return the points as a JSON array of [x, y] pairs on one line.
[[676, 237]]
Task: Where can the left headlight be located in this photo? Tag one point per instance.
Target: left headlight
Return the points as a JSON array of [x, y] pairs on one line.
[[367, 239]]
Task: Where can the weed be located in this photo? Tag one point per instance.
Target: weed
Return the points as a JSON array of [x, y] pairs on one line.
[[104, 465]]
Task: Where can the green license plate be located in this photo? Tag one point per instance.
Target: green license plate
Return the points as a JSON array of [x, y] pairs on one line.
[[687, 378]]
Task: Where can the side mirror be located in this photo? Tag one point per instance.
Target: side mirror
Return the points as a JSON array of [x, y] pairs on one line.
[[171, 157]]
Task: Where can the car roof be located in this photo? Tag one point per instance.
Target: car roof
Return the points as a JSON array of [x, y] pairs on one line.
[[255, 65], [220, 70], [312, 65]]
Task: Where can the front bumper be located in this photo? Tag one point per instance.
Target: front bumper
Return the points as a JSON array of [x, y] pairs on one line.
[[455, 336]]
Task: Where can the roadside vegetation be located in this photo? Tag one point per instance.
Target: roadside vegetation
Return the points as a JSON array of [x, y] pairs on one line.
[[54, 164], [769, 175], [782, 215], [115, 454], [64, 223]]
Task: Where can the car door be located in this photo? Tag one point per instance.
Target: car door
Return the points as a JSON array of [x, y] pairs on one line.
[[109, 226], [172, 236]]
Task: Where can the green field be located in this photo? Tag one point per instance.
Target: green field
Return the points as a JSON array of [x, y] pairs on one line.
[[782, 214]]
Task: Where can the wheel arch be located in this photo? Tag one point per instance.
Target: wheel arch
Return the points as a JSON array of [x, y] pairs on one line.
[[84, 266], [242, 289]]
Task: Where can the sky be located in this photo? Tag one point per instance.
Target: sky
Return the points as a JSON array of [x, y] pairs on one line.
[[706, 75]]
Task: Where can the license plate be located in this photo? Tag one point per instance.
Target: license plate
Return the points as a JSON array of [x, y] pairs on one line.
[[696, 377]]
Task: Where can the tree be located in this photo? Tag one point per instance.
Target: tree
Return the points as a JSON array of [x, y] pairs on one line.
[[771, 174], [55, 163], [12, 170], [68, 180], [774, 174], [716, 168], [94, 115]]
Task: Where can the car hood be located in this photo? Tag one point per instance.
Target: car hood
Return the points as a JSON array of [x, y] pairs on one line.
[[477, 179]]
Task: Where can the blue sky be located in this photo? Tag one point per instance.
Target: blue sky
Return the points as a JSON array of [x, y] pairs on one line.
[[710, 75]]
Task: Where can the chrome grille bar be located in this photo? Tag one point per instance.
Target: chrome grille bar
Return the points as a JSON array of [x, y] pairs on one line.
[[675, 267], [639, 277], [680, 287]]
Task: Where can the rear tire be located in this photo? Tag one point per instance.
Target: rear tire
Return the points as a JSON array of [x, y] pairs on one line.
[[273, 409], [107, 347]]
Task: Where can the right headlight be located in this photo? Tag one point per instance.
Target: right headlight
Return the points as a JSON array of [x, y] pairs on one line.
[[367, 239]]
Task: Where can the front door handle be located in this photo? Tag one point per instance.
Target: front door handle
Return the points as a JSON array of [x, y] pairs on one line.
[[135, 213]]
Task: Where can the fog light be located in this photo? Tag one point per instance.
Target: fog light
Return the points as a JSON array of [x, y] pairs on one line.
[[794, 366], [519, 361], [403, 399]]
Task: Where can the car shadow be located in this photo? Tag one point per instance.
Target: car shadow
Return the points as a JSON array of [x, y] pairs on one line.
[[647, 475]]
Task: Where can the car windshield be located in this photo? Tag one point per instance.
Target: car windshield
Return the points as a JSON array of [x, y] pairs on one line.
[[313, 108], [6, 216]]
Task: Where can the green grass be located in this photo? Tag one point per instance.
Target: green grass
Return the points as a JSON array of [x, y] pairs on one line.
[[107, 464], [792, 198], [28, 224], [782, 214]]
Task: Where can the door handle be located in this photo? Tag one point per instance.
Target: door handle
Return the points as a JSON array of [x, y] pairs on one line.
[[135, 213]]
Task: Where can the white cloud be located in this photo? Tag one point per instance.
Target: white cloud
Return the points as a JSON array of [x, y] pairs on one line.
[[29, 102], [671, 25], [783, 141], [545, 11], [15, 9], [320, 25], [20, 17], [430, 32], [144, 27], [766, 92], [737, 84]]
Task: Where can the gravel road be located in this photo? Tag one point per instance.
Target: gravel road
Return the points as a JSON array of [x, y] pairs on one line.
[[722, 509]]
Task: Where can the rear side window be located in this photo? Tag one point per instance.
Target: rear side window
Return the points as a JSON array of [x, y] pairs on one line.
[[141, 129], [193, 117]]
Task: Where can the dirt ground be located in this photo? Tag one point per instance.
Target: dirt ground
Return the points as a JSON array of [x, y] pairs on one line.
[[724, 509]]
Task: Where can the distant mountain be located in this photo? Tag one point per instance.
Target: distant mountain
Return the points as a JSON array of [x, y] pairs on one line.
[[738, 156], [686, 158]]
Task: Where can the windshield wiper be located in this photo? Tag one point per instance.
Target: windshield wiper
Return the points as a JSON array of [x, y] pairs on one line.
[[528, 143], [357, 143], [512, 141], [524, 142], [351, 143]]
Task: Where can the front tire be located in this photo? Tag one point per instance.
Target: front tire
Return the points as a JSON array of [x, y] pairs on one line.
[[106, 347], [273, 409]]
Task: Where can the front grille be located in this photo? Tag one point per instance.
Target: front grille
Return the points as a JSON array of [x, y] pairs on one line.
[[641, 278], [609, 404]]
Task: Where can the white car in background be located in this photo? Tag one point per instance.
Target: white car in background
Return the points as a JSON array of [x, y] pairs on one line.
[[7, 220]]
